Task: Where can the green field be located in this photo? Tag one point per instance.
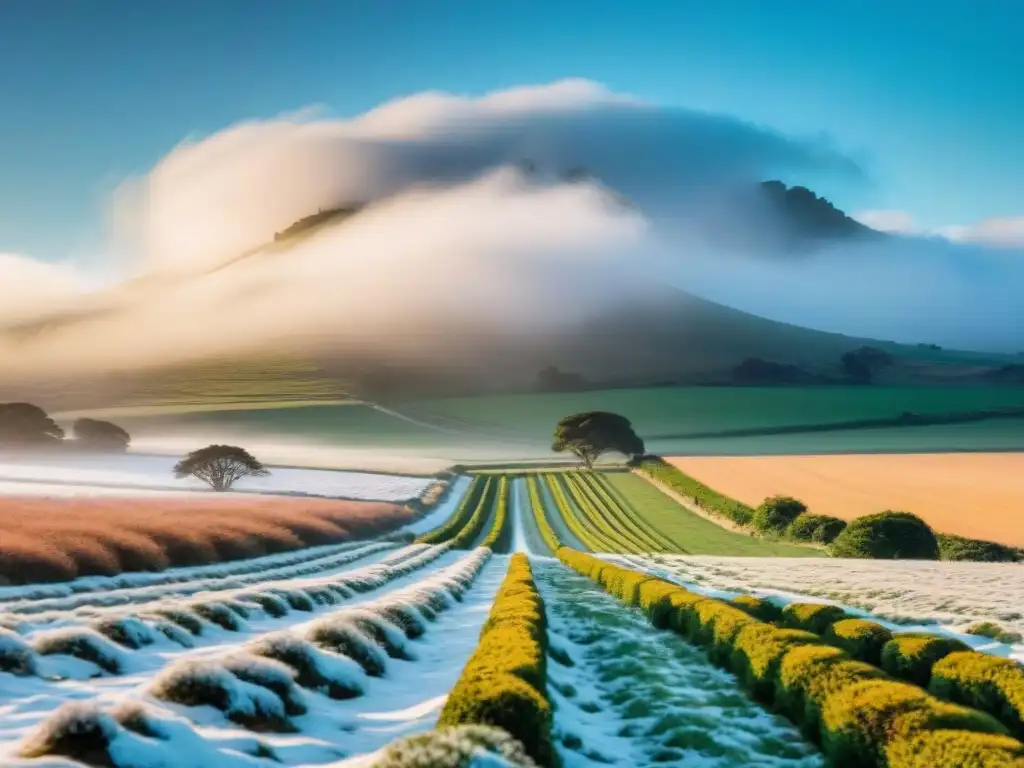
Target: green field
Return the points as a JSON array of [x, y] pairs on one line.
[[692, 533], [516, 427]]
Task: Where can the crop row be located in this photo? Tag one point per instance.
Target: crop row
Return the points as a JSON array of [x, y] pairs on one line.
[[590, 536], [103, 642], [262, 685], [547, 533], [51, 608], [90, 587], [947, 667], [592, 491], [499, 538], [504, 683], [857, 713]]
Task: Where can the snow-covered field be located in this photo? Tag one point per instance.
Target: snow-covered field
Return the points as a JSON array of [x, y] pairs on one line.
[[942, 597], [320, 660], [72, 475]]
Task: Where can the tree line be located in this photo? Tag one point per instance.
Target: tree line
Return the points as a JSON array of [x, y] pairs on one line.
[[24, 425]]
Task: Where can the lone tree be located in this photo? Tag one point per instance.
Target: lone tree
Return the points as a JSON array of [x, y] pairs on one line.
[[100, 435], [26, 424], [862, 363], [220, 465], [589, 435]]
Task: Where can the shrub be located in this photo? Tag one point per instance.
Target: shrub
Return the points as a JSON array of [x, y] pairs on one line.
[[860, 721], [989, 683], [820, 529], [887, 536], [454, 748], [77, 730], [125, 630], [204, 683], [954, 748], [760, 609], [219, 614], [504, 682], [776, 513], [911, 656], [860, 638], [86, 644], [961, 548], [992, 630], [331, 674], [270, 674], [347, 639], [812, 617], [16, 655], [183, 617]]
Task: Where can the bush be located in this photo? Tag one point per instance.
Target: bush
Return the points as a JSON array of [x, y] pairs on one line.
[[348, 640], [270, 674], [504, 682], [77, 730], [16, 655], [860, 638], [331, 674], [992, 630], [961, 548], [911, 656], [887, 536], [861, 718], [989, 683], [820, 529], [763, 610], [812, 617], [125, 630], [455, 748], [776, 514], [86, 644]]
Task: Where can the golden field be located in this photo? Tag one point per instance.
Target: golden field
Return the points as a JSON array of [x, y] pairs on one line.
[[980, 495]]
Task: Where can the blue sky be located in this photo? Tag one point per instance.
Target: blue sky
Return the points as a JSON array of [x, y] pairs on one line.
[[926, 96]]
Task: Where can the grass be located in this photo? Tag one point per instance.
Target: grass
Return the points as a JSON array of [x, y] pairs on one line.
[[689, 532], [49, 540]]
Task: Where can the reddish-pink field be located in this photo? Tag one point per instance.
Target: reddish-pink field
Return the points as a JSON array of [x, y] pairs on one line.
[[980, 495], [60, 539]]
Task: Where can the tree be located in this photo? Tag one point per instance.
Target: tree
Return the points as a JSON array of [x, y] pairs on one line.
[[220, 466], [861, 364], [101, 435], [27, 424], [589, 435]]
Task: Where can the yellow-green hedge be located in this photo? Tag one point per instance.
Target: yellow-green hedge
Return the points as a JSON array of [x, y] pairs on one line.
[[860, 638], [462, 515], [911, 656], [499, 537], [859, 715], [812, 617], [504, 682], [547, 533], [987, 682], [469, 533]]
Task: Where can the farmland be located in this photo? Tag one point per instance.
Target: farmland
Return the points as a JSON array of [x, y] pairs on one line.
[[973, 495], [573, 618]]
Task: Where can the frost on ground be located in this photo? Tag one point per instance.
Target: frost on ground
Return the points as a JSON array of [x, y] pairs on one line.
[[436, 517], [102, 474], [267, 693], [629, 694], [944, 596]]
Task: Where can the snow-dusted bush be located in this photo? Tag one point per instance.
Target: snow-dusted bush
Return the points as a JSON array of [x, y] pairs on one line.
[[219, 614], [347, 639], [183, 617], [331, 674], [385, 634], [205, 683], [78, 730], [270, 674], [467, 745], [296, 598], [86, 644], [271, 604], [406, 617], [16, 655], [128, 631]]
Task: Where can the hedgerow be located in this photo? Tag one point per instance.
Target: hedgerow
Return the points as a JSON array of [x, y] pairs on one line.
[[859, 715], [504, 683], [812, 617], [547, 533], [887, 536], [706, 498], [991, 683], [499, 537], [470, 532], [776, 514], [461, 517], [860, 638], [976, 550], [912, 655], [819, 529]]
